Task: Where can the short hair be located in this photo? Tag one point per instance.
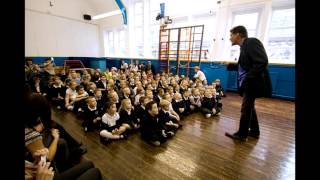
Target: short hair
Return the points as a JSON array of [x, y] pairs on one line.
[[89, 98], [124, 101], [139, 90], [79, 87], [149, 105], [241, 30], [29, 59], [96, 90], [109, 104], [141, 99], [164, 103]]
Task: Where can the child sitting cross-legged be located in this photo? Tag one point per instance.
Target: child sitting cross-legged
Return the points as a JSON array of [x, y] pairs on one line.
[[169, 121], [208, 104], [111, 128], [151, 129]]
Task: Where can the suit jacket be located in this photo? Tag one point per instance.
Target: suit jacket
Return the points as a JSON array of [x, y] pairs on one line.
[[253, 59]]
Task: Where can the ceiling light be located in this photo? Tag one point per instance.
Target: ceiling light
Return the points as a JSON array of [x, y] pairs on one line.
[[108, 14]]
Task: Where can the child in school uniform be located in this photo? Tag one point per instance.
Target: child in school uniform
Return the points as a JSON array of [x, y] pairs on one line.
[[71, 95], [101, 100], [140, 93], [149, 94], [170, 91], [111, 128], [172, 111], [127, 94], [178, 104], [187, 103], [158, 97], [219, 88], [169, 122], [218, 101], [184, 86], [91, 115], [151, 129], [80, 100], [127, 115], [57, 92], [195, 100], [208, 104], [140, 110], [91, 87], [113, 96]]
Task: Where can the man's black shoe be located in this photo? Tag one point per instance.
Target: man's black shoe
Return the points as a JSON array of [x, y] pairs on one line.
[[254, 135], [236, 136]]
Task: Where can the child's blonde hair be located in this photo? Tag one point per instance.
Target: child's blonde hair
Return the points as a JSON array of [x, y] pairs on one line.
[[164, 103], [123, 103]]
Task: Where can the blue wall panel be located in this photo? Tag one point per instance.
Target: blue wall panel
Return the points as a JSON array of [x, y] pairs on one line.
[[282, 77]]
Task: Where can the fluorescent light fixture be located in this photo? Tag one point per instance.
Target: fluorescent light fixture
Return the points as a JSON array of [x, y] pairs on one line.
[[108, 14]]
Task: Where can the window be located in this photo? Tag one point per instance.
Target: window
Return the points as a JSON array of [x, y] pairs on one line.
[[281, 41], [115, 43], [154, 37], [200, 12], [110, 44], [122, 43], [154, 27], [208, 20], [248, 20], [138, 28]]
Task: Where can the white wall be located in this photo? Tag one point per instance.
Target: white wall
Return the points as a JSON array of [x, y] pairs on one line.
[[60, 30]]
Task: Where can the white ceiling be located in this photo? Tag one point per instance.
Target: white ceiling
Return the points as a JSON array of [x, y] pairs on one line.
[[103, 6]]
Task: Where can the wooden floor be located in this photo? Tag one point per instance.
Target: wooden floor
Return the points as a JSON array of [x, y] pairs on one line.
[[200, 150]]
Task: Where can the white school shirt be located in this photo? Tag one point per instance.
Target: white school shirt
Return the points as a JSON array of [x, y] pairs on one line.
[[110, 120]]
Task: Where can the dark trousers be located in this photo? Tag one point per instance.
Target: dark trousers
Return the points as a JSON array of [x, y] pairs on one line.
[[84, 170], [248, 119], [61, 159], [72, 143], [67, 150]]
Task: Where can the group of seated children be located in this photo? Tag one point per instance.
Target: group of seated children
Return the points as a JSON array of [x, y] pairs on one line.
[[126, 100]]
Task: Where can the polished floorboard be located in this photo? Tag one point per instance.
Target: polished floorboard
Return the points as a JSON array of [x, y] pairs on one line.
[[200, 150]]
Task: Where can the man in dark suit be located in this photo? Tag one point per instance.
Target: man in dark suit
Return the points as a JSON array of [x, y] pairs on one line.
[[253, 80]]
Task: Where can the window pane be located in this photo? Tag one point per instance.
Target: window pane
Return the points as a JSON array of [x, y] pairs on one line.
[[138, 8], [139, 41], [110, 36], [283, 18], [281, 42], [138, 20], [138, 35], [154, 38], [208, 33], [283, 32], [248, 20]]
